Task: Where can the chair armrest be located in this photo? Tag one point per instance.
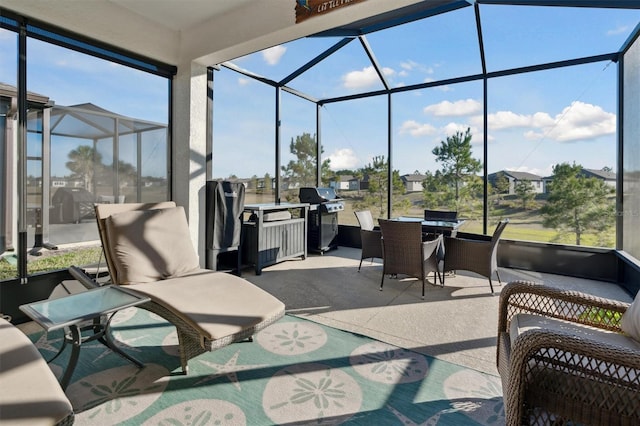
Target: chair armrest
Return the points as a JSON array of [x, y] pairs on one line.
[[370, 237], [82, 277], [543, 300]]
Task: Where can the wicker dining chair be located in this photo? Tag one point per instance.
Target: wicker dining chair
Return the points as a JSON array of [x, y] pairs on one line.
[[440, 214], [370, 237], [563, 357], [404, 251], [474, 252]]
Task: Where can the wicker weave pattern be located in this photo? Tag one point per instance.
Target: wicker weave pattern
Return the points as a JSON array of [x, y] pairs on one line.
[[192, 343], [404, 252], [67, 421], [551, 377], [473, 252], [371, 238]]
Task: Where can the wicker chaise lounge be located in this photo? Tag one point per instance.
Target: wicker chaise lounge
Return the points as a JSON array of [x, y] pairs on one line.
[[564, 359], [149, 249]]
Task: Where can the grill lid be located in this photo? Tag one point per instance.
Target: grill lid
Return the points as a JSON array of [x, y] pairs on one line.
[[317, 195]]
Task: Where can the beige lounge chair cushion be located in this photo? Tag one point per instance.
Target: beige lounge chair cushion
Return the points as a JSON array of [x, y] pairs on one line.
[[151, 245], [631, 319], [218, 304], [30, 394]]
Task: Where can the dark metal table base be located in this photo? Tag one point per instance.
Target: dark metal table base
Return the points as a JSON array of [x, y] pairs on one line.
[[100, 332]]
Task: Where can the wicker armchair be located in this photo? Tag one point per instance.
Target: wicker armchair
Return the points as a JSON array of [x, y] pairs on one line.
[[404, 252], [369, 236], [474, 252], [563, 359]]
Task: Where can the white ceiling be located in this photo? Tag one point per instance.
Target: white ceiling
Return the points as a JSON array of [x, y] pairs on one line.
[[181, 15], [209, 32]]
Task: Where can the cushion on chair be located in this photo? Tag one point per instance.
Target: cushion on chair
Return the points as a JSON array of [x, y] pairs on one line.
[[523, 322], [630, 322], [30, 394], [219, 304], [151, 245]]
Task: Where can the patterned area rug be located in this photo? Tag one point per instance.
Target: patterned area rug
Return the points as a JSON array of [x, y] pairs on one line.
[[294, 372]]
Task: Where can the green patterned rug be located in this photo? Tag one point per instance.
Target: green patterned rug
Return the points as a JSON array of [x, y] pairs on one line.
[[294, 372]]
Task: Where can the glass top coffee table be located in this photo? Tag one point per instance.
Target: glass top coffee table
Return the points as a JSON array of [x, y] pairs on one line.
[[72, 313]]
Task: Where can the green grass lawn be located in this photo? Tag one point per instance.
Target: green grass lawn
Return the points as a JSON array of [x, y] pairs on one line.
[[53, 261], [524, 225]]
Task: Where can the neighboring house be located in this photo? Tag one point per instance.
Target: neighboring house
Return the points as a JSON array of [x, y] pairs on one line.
[[345, 183], [413, 182], [609, 178], [364, 183], [261, 184], [537, 182]]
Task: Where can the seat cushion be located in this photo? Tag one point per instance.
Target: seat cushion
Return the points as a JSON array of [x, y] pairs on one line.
[[523, 322], [31, 394], [151, 245], [630, 322], [215, 303]]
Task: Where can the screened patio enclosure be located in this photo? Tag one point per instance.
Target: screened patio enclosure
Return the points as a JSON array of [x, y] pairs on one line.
[[502, 70], [489, 59], [77, 156]]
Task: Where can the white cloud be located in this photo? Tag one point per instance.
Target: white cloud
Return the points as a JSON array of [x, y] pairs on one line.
[[273, 54], [242, 81], [408, 65], [417, 129], [364, 78], [388, 72], [622, 29], [454, 109], [508, 119], [444, 88], [344, 158], [578, 121]]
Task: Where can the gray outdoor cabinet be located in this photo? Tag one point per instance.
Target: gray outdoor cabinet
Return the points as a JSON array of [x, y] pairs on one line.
[[273, 233]]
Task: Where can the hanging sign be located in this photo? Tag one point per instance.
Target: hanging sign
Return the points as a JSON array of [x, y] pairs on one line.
[[308, 8]]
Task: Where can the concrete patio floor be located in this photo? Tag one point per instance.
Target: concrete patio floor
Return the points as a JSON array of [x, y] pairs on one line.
[[456, 323]]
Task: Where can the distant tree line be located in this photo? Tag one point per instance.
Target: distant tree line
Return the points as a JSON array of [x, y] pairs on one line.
[[575, 203]]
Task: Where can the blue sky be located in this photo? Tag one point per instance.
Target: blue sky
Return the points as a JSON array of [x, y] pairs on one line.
[[71, 78], [535, 120]]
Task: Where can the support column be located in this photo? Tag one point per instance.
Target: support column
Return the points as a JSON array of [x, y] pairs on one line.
[[188, 149]]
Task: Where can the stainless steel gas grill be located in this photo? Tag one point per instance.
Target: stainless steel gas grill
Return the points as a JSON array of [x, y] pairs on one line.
[[322, 227]]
